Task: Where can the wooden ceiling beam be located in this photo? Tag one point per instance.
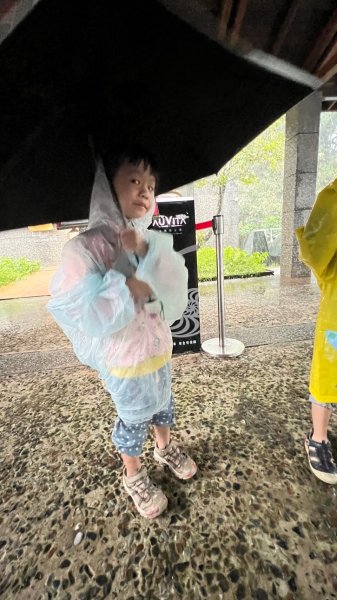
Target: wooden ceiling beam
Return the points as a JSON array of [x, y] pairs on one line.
[[330, 51], [6, 6], [329, 90], [239, 17], [224, 18], [329, 68], [285, 27], [333, 105], [322, 42]]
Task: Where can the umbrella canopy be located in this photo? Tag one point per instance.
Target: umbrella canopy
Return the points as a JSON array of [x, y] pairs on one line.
[[120, 72]]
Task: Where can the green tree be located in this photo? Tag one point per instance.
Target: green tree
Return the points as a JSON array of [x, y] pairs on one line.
[[258, 172]]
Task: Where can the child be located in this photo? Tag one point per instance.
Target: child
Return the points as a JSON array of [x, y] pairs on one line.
[[318, 249], [117, 289]]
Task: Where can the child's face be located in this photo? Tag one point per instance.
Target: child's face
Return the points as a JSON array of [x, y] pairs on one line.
[[134, 187]]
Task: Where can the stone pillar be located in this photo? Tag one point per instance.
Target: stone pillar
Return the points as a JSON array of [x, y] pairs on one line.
[[300, 170]]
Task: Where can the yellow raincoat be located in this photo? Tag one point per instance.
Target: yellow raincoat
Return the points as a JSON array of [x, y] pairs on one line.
[[318, 250]]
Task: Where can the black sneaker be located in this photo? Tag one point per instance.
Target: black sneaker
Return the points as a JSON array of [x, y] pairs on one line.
[[320, 460]]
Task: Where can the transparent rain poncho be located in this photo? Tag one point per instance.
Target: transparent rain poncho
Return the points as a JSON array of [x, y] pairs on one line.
[[318, 250], [129, 345]]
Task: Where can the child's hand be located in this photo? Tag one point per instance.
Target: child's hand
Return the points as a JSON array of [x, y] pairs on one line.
[[139, 290], [133, 242]]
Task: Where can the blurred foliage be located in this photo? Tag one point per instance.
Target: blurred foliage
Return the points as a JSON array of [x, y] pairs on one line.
[[258, 173], [13, 270], [236, 262]]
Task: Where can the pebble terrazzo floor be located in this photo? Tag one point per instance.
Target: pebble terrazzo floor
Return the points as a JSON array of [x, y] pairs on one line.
[[253, 524]]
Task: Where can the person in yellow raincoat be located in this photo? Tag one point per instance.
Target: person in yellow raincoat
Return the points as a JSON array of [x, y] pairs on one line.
[[318, 250]]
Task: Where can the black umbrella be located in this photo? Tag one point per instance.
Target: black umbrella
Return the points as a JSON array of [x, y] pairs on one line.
[[122, 72]]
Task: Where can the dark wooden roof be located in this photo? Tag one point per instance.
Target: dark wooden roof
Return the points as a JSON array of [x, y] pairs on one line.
[[301, 32]]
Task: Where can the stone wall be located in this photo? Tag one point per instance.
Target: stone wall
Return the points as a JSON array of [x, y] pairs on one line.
[[45, 246]]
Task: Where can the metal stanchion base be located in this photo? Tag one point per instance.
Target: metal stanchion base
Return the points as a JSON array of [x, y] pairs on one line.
[[232, 347]]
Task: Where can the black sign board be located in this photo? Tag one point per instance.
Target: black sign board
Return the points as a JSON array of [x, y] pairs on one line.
[[176, 216]]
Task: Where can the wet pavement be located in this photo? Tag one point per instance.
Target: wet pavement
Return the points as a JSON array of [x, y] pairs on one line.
[[254, 523], [37, 284]]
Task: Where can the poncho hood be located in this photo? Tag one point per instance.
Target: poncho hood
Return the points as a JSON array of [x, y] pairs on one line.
[[104, 208]]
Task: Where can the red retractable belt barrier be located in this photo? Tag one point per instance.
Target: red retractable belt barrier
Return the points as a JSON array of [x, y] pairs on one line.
[[203, 225]]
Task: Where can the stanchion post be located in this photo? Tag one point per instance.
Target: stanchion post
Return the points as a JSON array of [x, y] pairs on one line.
[[218, 230], [221, 346]]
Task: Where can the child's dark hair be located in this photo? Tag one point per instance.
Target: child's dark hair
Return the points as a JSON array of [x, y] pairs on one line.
[[134, 155]]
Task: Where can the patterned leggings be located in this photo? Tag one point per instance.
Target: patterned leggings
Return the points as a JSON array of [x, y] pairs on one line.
[[129, 439]]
